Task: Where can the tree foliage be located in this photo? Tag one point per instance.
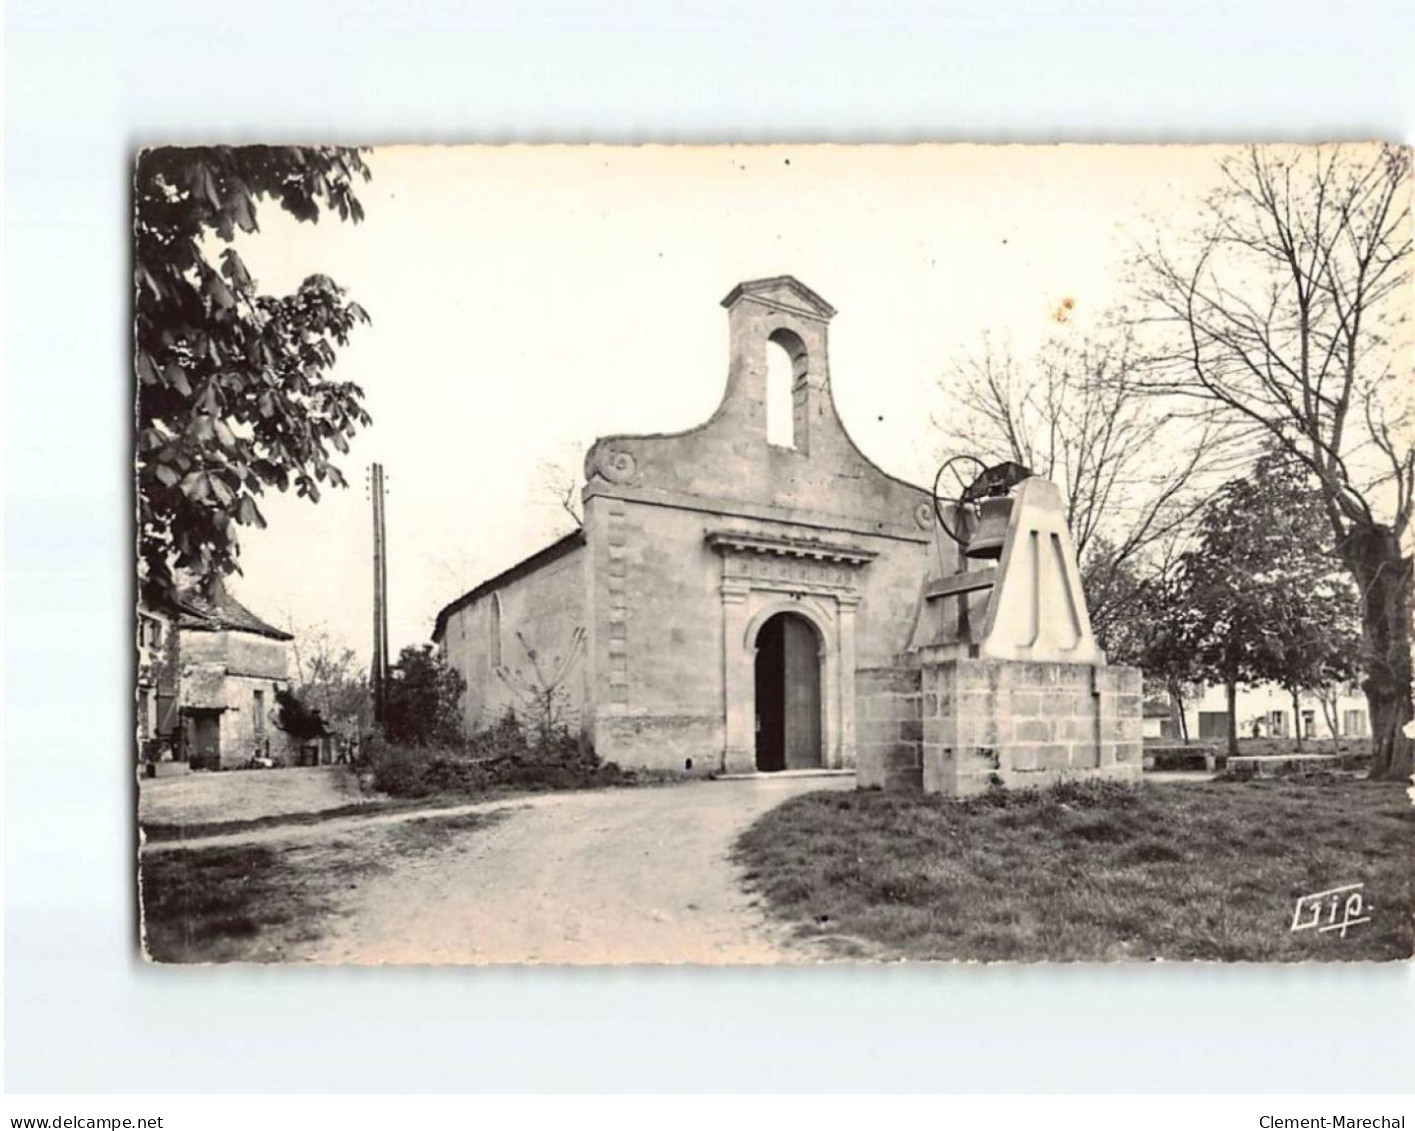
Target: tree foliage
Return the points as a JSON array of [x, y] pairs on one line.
[[234, 393], [1267, 600], [423, 700], [297, 718], [1286, 312]]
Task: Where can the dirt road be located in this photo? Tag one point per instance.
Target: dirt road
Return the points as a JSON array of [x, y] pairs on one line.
[[634, 875]]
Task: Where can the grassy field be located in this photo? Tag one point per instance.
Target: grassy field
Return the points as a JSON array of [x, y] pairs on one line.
[[262, 902], [1173, 871]]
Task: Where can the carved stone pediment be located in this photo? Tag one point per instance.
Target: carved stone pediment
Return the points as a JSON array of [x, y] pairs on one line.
[[725, 541], [768, 561]]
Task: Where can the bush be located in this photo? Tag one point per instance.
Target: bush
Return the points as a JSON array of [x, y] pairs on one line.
[[422, 700], [296, 717], [501, 757]]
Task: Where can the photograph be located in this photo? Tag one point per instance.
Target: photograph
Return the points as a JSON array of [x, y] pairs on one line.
[[772, 554]]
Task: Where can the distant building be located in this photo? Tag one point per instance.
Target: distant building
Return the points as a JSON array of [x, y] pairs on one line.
[[231, 665], [158, 677], [1265, 711]]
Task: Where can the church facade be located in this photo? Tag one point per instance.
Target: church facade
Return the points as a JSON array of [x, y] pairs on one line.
[[731, 604]]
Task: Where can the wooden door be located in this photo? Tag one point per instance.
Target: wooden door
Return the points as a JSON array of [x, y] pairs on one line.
[[770, 697], [802, 693], [788, 695], [206, 740]]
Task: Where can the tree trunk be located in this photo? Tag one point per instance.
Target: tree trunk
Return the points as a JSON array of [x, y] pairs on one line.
[[1176, 712], [1384, 575], [1231, 686], [1296, 716], [1331, 712]]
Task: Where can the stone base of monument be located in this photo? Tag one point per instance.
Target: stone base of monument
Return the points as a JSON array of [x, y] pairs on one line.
[[1280, 765], [1021, 723]]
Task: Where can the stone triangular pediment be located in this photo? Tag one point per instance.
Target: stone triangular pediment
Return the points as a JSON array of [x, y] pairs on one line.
[[785, 292]]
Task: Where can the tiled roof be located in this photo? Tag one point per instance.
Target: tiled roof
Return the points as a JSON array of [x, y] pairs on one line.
[[212, 609]]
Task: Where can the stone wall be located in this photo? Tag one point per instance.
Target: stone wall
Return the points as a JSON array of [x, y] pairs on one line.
[[889, 728], [247, 730], [239, 653], [545, 606], [655, 643], [1020, 723], [660, 639]]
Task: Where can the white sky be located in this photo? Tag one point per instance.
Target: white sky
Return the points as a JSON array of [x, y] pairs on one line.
[[527, 299]]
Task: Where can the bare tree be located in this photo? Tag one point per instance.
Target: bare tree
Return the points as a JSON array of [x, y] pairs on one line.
[[1075, 414], [559, 483], [329, 677], [1288, 315], [543, 691]]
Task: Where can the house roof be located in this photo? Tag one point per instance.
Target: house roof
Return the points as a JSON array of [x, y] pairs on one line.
[[556, 550], [212, 609]]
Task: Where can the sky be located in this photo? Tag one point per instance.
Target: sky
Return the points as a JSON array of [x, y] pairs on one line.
[[525, 300]]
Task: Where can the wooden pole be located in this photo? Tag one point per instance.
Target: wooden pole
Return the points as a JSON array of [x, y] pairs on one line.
[[376, 663], [383, 580]]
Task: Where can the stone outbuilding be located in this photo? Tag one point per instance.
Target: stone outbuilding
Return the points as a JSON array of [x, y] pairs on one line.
[[757, 595], [231, 665]]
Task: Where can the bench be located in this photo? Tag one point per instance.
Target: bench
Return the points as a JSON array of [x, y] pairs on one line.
[[1181, 758]]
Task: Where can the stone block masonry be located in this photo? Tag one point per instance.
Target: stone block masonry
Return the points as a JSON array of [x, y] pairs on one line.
[[1019, 723], [889, 728]]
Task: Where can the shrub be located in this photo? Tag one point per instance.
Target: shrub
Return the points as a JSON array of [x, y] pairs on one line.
[[296, 717], [422, 700], [502, 756]]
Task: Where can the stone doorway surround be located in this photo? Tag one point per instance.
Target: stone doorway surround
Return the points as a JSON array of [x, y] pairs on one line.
[[766, 574]]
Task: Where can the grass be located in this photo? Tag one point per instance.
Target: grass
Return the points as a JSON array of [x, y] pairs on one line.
[[265, 903], [1090, 872]]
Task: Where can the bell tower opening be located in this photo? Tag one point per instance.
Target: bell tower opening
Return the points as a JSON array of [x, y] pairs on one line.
[[778, 378], [786, 366]]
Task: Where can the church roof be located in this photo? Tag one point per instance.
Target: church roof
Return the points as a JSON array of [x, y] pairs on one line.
[[543, 557]]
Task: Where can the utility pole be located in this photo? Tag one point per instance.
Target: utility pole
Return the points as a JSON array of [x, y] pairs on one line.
[[378, 667]]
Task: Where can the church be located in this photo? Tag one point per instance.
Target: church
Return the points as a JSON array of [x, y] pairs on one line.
[[740, 604]]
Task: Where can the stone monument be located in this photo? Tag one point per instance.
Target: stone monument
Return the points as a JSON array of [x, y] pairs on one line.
[[1012, 688]]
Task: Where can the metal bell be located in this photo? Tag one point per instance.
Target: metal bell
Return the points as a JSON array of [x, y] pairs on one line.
[[986, 541]]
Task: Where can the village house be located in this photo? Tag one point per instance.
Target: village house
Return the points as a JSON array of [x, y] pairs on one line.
[[158, 672], [751, 595], [1266, 711], [208, 672]]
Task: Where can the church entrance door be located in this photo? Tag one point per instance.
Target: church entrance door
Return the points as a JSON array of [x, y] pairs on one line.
[[788, 695]]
